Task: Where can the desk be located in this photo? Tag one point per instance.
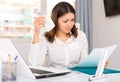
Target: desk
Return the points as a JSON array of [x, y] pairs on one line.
[[72, 77]]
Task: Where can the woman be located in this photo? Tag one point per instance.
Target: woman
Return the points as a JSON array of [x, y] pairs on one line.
[[64, 45]]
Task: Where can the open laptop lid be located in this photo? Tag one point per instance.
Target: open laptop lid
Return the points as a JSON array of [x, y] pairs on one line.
[[7, 47]]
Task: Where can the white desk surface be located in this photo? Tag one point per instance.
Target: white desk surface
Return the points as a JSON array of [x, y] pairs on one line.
[[72, 77]]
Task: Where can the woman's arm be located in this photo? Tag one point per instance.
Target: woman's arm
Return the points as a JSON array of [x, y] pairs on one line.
[[38, 48], [36, 56], [38, 52]]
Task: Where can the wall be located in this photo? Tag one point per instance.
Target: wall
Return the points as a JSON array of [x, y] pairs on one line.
[[106, 31]]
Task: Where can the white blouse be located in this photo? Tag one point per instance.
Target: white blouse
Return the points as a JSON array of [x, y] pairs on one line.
[[58, 53]]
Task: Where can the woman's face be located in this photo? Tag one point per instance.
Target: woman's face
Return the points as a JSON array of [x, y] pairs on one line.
[[66, 23]]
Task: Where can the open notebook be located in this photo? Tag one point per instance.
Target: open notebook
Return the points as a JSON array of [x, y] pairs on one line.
[[94, 64], [7, 47]]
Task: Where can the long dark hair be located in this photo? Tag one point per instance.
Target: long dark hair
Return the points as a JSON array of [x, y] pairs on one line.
[[59, 10]]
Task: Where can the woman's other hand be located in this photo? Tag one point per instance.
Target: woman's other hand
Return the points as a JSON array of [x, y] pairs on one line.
[[106, 64]]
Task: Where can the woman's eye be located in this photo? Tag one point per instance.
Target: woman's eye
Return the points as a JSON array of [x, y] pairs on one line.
[[72, 20], [65, 21]]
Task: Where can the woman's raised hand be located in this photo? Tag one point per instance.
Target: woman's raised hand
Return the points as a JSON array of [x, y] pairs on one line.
[[39, 23]]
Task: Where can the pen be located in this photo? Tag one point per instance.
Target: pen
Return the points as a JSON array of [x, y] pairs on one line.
[[9, 58], [10, 65], [15, 57]]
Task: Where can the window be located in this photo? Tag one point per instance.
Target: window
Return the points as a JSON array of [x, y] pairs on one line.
[[16, 16]]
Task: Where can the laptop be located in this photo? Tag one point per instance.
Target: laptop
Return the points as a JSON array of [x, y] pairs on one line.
[[7, 47]]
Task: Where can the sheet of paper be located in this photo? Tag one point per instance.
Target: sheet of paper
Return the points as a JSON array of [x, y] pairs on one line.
[[93, 58]]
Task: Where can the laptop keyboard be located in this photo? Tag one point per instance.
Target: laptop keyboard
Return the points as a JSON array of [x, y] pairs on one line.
[[38, 71]]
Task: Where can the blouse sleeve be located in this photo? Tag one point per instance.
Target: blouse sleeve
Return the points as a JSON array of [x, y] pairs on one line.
[[38, 52]]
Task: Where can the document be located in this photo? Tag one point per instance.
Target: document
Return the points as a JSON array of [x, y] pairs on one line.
[[94, 62], [93, 58]]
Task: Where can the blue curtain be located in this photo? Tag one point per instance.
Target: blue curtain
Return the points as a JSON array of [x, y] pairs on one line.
[[84, 17]]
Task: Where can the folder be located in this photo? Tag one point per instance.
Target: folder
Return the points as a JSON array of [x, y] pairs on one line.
[[93, 61], [92, 70]]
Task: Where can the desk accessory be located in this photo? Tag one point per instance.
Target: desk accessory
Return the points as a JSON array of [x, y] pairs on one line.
[[93, 78]]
